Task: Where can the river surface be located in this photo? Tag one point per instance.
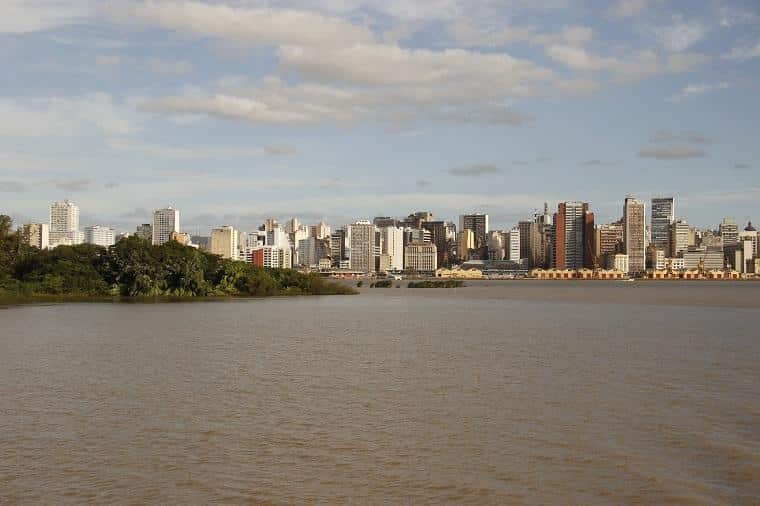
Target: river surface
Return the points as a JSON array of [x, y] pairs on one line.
[[496, 393]]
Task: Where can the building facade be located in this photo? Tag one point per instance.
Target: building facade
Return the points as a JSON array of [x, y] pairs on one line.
[[679, 238], [573, 236], [421, 258], [165, 223], [224, 242], [362, 246], [663, 216], [392, 240], [64, 224], [101, 236], [634, 234], [36, 235], [478, 223]]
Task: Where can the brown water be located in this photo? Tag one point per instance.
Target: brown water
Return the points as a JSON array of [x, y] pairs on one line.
[[603, 394]]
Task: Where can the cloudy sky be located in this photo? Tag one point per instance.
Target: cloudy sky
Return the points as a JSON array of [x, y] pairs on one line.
[[234, 110]]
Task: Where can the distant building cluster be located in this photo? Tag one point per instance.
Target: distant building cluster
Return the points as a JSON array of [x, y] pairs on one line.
[[556, 245]]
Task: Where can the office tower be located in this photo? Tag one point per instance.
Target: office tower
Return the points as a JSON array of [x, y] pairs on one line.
[[101, 236], [224, 242], [165, 223], [362, 246], [531, 243], [144, 231], [679, 238], [634, 234], [573, 236], [663, 216], [729, 232], [478, 223], [466, 243], [392, 240], [609, 240], [338, 250], [36, 235], [438, 237], [512, 245], [421, 257], [64, 224], [307, 252]]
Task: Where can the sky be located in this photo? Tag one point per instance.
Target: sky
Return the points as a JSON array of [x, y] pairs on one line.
[[237, 110]]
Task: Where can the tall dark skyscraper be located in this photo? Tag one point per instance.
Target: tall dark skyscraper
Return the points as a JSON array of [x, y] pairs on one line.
[[663, 216], [437, 231], [478, 223]]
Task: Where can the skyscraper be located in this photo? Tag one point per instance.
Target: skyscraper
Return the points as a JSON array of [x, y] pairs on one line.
[[362, 246], [64, 224], [466, 243], [165, 223], [609, 240], [634, 234], [338, 246], [679, 238], [512, 245], [663, 216], [224, 242], [729, 232], [573, 236], [392, 240], [438, 237], [531, 239], [478, 223]]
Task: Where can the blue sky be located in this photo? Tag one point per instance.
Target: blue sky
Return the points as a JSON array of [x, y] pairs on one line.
[[237, 110]]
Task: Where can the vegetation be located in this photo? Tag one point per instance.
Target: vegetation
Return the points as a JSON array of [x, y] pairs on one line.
[[449, 283], [135, 268], [383, 283]]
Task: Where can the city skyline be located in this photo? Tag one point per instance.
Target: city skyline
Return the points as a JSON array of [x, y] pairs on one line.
[[240, 110]]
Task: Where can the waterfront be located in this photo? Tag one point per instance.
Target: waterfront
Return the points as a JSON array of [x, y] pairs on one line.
[[498, 393]]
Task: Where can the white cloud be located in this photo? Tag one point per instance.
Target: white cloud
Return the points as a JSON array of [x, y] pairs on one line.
[[23, 16], [96, 113], [695, 90], [243, 25], [680, 34], [384, 65], [629, 67], [743, 53], [154, 65], [623, 9]]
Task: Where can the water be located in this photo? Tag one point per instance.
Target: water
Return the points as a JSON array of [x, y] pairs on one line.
[[513, 393]]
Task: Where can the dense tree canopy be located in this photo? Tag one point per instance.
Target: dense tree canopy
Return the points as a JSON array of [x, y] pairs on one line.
[[134, 267]]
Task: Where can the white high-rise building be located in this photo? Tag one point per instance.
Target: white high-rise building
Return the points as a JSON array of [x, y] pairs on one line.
[[101, 236], [392, 244], [512, 248], [165, 222], [64, 224], [224, 242]]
